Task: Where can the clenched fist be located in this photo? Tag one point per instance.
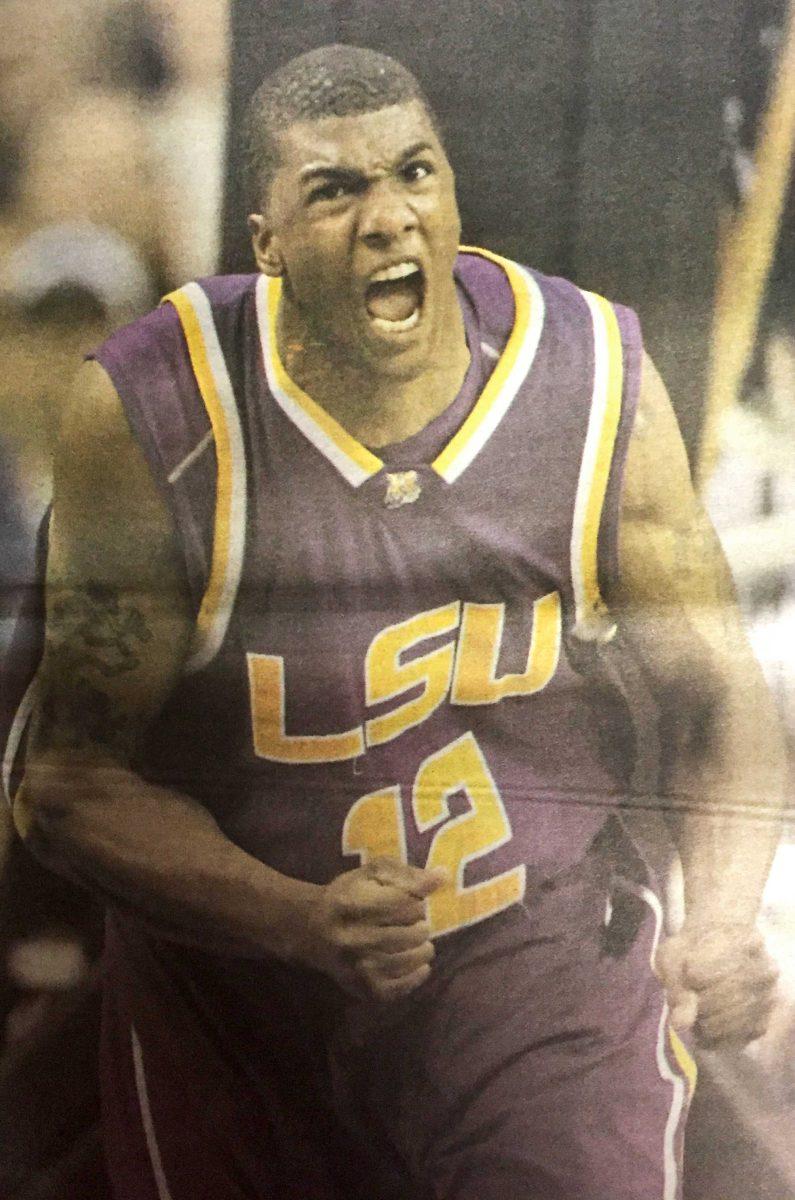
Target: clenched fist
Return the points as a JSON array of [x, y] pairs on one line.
[[720, 981], [368, 928]]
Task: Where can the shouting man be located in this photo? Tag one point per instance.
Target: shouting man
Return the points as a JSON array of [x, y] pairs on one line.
[[346, 556]]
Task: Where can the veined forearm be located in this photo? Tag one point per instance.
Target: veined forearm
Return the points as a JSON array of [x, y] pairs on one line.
[[163, 855], [724, 789]]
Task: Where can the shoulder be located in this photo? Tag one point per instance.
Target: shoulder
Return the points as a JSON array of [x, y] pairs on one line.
[[564, 311], [98, 458], [109, 519], [658, 485], [157, 337], [153, 364]]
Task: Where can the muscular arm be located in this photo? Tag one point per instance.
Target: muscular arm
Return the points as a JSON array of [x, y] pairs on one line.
[[723, 768], [118, 627]]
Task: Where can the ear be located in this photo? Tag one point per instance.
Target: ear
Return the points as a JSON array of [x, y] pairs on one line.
[[265, 246]]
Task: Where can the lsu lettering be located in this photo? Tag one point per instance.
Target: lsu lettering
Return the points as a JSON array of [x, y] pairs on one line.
[[386, 677], [462, 670], [271, 741]]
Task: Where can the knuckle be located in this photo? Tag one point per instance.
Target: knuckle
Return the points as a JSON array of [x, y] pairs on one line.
[[409, 911], [338, 905], [415, 937], [382, 868], [343, 937], [366, 970]]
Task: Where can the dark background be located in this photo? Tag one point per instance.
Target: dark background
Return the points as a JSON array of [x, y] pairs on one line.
[[586, 136]]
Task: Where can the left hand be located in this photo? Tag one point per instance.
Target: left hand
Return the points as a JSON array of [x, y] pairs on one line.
[[720, 981]]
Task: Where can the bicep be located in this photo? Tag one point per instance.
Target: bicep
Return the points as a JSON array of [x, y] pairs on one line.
[[675, 596], [117, 621]]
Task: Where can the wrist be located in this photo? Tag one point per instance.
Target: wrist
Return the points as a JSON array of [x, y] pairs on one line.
[[297, 934], [719, 935], [713, 913]]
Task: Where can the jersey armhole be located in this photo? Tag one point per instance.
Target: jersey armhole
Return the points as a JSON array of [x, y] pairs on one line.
[[617, 349], [212, 378], [609, 543]]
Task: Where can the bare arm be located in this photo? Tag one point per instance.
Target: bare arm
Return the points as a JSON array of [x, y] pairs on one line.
[[723, 770], [118, 627]]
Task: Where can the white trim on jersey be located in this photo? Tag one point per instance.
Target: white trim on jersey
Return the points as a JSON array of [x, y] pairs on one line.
[[354, 462], [671, 1165], [215, 386], [16, 732], [593, 622], [501, 390], [147, 1121]]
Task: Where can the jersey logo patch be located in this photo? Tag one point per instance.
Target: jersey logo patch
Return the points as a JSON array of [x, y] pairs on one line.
[[403, 487]]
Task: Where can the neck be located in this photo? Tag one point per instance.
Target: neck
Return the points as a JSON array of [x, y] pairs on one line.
[[376, 408]]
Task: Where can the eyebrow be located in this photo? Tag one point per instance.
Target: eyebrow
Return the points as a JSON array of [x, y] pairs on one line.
[[321, 172], [351, 174], [413, 151]]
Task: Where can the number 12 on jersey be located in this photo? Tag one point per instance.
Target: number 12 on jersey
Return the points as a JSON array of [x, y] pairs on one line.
[[375, 826]]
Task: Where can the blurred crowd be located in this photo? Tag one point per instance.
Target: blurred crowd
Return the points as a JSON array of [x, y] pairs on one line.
[[112, 117]]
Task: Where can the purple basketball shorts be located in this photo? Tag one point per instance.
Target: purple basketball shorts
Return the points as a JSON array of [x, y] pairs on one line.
[[536, 1063]]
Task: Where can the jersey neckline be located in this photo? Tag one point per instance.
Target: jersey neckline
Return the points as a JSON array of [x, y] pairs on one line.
[[422, 447], [354, 461]]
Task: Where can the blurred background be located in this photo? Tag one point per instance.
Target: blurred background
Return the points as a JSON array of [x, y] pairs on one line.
[[644, 150]]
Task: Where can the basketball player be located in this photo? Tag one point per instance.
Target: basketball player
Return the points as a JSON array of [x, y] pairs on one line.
[[345, 559]]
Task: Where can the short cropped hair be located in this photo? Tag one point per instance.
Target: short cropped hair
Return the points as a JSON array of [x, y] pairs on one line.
[[332, 81]]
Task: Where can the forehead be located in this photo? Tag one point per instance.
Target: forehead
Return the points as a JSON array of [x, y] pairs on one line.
[[364, 141]]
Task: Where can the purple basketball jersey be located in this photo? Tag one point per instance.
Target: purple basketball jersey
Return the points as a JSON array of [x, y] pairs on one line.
[[382, 659], [398, 652]]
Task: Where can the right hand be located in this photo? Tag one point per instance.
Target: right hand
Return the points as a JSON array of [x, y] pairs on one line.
[[720, 980], [369, 929]]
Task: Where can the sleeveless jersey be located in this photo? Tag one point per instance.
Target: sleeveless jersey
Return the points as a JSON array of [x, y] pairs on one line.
[[383, 660], [394, 650]]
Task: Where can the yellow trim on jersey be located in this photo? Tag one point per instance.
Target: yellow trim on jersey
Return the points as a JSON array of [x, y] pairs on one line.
[[510, 372], [209, 368], [592, 618], [684, 1059], [354, 460]]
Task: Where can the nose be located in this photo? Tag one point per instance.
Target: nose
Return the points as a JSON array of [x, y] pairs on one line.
[[385, 214]]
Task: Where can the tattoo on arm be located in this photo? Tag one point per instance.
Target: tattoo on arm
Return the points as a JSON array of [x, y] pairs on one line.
[[99, 629], [94, 635]]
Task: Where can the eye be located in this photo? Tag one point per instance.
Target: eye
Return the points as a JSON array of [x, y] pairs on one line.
[[333, 190], [415, 172]]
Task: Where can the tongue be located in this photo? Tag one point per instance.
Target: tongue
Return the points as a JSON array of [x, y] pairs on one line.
[[394, 301]]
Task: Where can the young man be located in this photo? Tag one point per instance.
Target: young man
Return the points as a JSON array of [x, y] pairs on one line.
[[329, 707]]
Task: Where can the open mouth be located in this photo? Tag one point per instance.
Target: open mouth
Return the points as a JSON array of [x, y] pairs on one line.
[[394, 297]]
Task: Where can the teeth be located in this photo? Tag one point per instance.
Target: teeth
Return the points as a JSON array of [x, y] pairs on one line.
[[399, 271], [397, 326]]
